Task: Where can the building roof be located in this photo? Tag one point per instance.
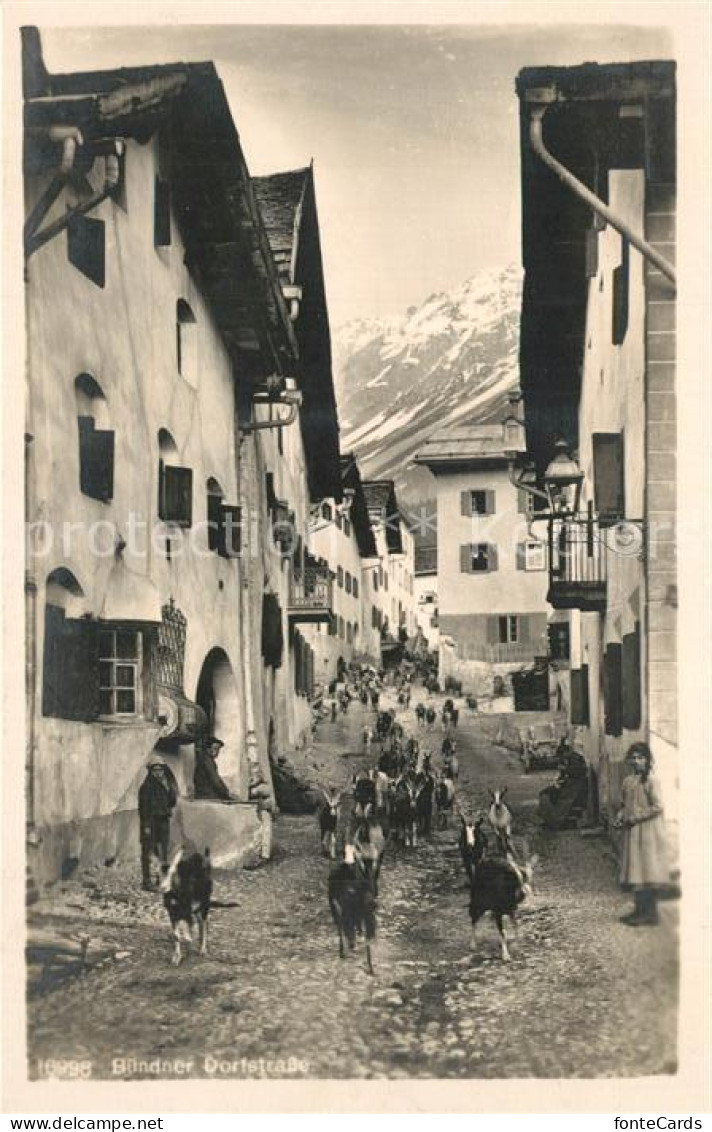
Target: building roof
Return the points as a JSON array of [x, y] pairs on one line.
[[383, 508], [225, 240], [585, 130], [351, 477], [287, 202], [280, 198], [477, 445]]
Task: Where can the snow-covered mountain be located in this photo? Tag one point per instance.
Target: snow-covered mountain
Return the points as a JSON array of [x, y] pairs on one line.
[[451, 360]]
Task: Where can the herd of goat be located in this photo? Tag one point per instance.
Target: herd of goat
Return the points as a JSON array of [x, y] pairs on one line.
[[397, 800]]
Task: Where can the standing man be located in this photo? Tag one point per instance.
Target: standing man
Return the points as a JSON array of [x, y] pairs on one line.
[[157, 797]]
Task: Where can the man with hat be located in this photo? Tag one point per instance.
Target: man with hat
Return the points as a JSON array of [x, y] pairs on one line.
[[206, 779], [157, 797]]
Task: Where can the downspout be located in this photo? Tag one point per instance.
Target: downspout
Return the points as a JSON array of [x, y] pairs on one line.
[[594, 202], [111, 180], [251, 745], [30, 650], [71, 137]]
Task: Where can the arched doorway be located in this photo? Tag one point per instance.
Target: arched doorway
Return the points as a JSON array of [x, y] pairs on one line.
[[217, 694]]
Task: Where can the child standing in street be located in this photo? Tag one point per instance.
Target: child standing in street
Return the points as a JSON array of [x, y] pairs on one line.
[[644, 868]]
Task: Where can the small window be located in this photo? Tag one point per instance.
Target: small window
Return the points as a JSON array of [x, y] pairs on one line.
[[347, 527], [186, 343], [478, 558], [175, 494], [86, 248], [326, 512], [342, 633], [477, 502], [508, 630], [355, 587], [531, 555], [559, 640], [620, 296], [347, 581], [340, 577], [609, 476], [119, 672], [96, 444], [161, 214]]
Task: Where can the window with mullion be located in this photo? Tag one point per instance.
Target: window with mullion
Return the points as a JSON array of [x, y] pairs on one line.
[[119, 672]]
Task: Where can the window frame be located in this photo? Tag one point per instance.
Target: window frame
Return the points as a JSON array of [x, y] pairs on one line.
[[114, 688], [509, 622]]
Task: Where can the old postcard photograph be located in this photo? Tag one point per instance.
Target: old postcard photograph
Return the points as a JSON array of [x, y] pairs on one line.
[[356, 505]]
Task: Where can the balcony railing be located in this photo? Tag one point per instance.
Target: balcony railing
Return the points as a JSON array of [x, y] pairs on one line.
[[311, 596], [577, 565]]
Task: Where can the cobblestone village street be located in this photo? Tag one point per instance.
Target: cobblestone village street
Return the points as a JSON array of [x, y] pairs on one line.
[[584, 995]]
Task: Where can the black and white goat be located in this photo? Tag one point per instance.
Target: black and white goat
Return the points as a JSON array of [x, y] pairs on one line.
[[328, 822], [353, 904]]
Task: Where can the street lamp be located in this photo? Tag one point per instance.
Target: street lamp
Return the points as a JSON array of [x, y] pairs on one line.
[[563, 480]]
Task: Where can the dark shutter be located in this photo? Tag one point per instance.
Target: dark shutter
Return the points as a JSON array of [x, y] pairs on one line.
[[162, 214], [52, 669], [612, 689], [523, 629], [466, 558], [272, 637], [466, 504], [631, 680], [86, 247], [492, 629], [96, 460], [591, 253], [579, 696], [492, 557], [70, 687], [608, 476], [148, 673], [231, 530], [176, 498], [620, 295], [215, 531]]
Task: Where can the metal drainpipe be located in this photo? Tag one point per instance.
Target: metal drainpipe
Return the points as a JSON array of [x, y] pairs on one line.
[[251, 744], [110, 182], [594, 202], [30, 650]]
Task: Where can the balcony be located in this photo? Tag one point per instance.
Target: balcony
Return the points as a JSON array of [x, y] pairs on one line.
[[311, 597], [577, 565]]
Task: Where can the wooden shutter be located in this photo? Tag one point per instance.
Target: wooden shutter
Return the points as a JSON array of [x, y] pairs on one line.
[[612, 689], [591, 253], [608, 476], [631, 680], [490, 503], [149, 669], [579, 696], [272, 637], [620, 295], [521, 556], [70, 687], [493, 629], [96, 460], [215, 531], [86, 247], [524, 629], [162, 214], [231, 530], [177, 495], [466, 504], [492, 557], [466, 558]]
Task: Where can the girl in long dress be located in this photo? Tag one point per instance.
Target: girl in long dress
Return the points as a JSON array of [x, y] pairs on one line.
[[644, 867]]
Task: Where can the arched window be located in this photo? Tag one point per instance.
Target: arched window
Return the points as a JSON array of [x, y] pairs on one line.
[[175, 484], [96, 441], [186, 343]]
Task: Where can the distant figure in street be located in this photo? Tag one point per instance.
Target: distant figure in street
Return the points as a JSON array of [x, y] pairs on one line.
[[157, 797], [563, 802], [208, 784], [644, 865]]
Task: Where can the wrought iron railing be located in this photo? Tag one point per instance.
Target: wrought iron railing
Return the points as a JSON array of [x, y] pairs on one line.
[[577, 556]]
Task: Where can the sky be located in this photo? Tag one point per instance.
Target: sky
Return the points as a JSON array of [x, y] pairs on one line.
[[413, 131]]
